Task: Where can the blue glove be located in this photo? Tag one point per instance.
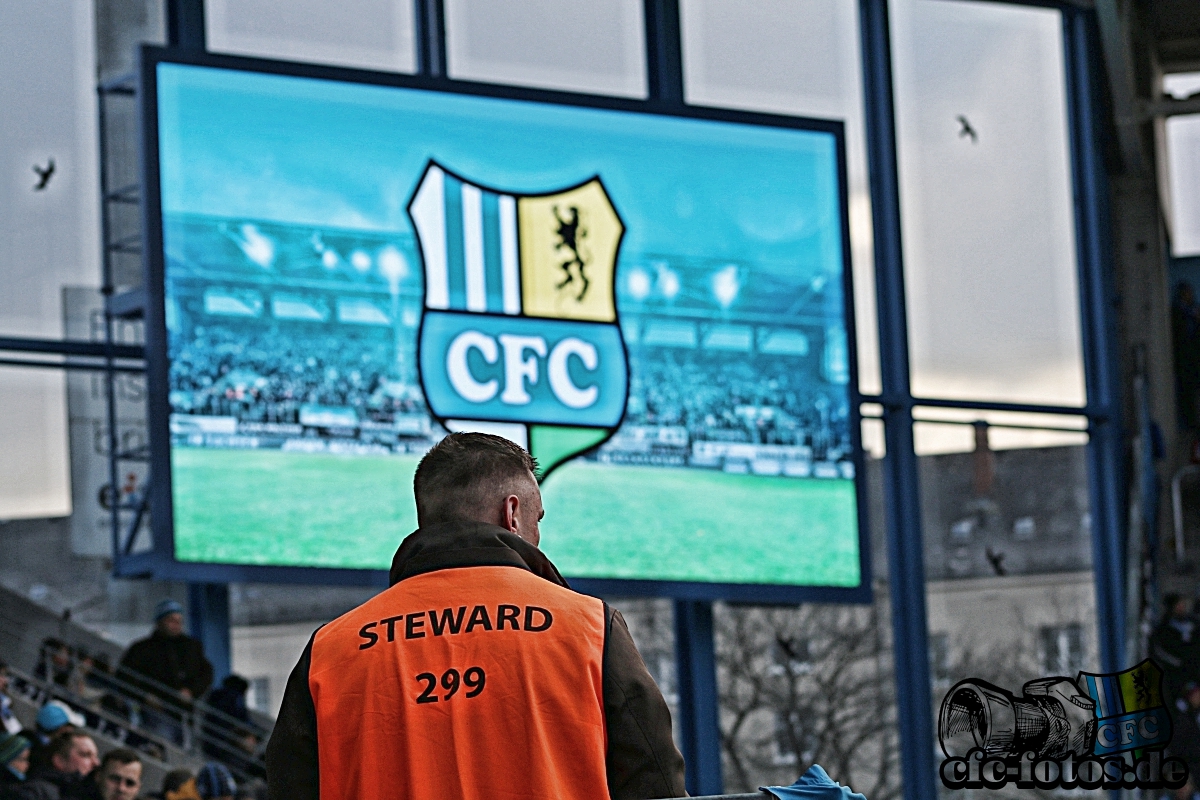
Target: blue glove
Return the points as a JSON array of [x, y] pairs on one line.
[[813, 785]]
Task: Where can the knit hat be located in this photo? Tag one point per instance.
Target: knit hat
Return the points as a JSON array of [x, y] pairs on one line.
[[55, 714], [166, 607], [11, 746], [215, 780]]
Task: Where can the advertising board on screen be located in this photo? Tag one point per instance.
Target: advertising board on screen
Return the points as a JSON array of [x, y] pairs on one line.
[[344, 266]]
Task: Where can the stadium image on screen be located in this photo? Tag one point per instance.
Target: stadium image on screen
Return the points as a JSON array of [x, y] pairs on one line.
[[654, 305]]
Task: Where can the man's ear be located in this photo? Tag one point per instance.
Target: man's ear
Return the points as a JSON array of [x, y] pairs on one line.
[[509, 518]]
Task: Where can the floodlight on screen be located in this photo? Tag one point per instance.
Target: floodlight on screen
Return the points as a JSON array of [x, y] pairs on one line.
[[355, 269]]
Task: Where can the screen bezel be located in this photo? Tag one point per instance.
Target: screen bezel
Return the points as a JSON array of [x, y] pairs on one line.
[[159, 561]]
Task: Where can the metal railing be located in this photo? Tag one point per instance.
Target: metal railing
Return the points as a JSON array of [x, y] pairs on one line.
[[147, 715]]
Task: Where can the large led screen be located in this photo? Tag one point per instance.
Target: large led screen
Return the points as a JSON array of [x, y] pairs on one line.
[[654, 304]]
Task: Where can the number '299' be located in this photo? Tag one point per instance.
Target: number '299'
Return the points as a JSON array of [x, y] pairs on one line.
[[474, 678]]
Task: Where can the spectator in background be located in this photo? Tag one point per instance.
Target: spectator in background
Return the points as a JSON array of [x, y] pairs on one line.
[[1185, 341], [73, 758], [215, 782], [54, 664], [170, 668], [232, 738], [253, 789], [178, 784], [14, 761], [79, 681], [230, 698], [1185, 727], [119, 776], [8, 720], [1175, 645], [53, 718]]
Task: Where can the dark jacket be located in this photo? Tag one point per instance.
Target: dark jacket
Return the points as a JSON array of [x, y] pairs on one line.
[[50, 784], [1175, 647], [9, 783], [642, 760], [177, 662]]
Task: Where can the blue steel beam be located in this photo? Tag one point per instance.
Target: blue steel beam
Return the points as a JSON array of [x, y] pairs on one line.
[[208, 621], [430, 20], [696, 668], [902, 501], [185, 24], [1093, 255]]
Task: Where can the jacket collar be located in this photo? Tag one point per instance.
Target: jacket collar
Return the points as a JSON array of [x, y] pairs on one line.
[[468, 544]]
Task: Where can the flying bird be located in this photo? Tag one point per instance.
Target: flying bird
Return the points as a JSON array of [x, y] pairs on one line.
[[43, 174], [996, 558], [966, 129]]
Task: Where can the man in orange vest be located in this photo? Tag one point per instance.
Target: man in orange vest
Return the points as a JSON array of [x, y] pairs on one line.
[[479, 673]]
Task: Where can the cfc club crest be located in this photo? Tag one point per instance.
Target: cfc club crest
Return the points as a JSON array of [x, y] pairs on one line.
[[519, 333], [1130, 712]]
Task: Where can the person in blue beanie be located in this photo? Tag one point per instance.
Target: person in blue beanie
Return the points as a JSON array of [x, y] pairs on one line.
[[52, 718], [215, 782]]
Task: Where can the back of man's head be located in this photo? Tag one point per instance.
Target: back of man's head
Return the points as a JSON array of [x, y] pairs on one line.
[[466, 476]]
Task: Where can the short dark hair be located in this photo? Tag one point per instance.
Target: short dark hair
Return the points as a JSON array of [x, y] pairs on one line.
[[122, 756], [175, 779], [62, 742], [459, 474]]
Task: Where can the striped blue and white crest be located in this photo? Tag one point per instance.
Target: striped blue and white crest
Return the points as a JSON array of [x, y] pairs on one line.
[[519, 333], [469, 245], [1130, 711]]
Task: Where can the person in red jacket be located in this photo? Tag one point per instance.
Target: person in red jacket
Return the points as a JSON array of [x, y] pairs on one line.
[[479, 673]]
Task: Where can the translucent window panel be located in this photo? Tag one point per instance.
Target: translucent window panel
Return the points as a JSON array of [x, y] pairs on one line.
[[993, 307], [1005, 430], [49, 236], [368, 34], [597, 47], [796, 57], [34, 473], [873, 440], [1183, 165], [1008, 564], [807, 684]]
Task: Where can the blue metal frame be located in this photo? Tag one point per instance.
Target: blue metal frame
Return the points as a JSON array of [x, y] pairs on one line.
[[699, 712], [901, 489], [208, 621], [429, 20], [902, 501], [160, 561], [1101, 370]]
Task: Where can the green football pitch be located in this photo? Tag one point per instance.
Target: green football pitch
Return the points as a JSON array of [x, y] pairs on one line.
[[268, 507]]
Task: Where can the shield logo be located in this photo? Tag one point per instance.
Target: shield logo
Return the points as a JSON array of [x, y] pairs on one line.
[[519, 333], [1130, 713]]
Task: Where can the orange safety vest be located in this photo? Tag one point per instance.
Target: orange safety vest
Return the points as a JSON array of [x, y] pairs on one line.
[[471, 682]]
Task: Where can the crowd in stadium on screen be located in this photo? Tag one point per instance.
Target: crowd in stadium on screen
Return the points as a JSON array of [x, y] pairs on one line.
[[728, 397], [265, 374]]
